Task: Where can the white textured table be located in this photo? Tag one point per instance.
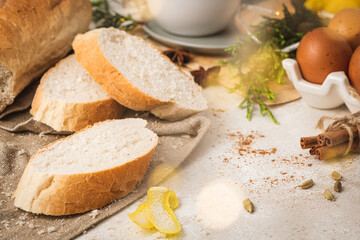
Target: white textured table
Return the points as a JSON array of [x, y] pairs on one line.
[[212, 183]]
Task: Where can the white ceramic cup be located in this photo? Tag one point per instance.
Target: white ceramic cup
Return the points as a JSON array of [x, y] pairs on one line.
[[193, 17]]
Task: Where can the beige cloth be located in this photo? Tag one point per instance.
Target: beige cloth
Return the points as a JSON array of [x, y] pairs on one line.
[[22, 101], [177, 140]]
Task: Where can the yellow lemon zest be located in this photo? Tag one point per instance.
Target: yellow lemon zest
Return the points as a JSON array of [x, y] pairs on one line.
[[173, 200], [161, 215], [141, 217], [157, 211]]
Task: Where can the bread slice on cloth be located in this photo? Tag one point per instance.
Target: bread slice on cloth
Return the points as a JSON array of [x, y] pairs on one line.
[[137, 75], [68, 99], [87, 170]]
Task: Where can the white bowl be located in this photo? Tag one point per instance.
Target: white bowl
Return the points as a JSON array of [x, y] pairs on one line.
[[332, 93]]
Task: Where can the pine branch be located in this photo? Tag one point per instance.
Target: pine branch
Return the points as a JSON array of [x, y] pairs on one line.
[[102, 17], [264, 60]]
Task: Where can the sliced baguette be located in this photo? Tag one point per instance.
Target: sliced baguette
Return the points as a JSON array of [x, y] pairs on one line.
[[34, 35], [138, 75], [68, 99], [87, 170]]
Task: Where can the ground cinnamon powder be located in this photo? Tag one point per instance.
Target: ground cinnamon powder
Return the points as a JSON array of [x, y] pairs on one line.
[[243, 145]]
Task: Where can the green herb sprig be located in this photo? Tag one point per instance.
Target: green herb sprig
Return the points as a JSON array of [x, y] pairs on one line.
[[284, 32], [262, 60], [102, 17], [263, 66]]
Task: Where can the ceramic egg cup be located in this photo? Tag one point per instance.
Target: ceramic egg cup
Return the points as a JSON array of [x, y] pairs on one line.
[[332, 93]]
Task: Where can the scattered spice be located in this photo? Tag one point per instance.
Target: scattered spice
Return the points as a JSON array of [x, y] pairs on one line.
[[337, 186], [335, 175], [307, 184], [248, 205], [243, 144], [202, 76], [328, 195], [243, 151], [178, 56]]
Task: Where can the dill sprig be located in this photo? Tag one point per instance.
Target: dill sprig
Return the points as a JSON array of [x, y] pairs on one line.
[[102, 17], [256, 63]]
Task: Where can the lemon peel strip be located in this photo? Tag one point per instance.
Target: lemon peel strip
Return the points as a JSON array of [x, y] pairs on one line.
[[141, 217], [157, 211], [173, 200], [161, 215]]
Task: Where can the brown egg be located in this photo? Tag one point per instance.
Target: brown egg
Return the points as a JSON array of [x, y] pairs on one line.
[[322, 51], [354, 70], [347, 23]]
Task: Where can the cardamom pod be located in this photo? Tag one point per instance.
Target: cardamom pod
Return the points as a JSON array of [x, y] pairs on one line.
[[337, 186], [335, 175], [307, 184], [248, 205], [328, 195]]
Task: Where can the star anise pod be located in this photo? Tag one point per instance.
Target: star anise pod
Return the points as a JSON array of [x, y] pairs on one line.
[[178, 56], [202, 76]]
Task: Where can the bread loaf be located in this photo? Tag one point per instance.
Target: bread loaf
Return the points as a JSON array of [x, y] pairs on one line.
[[137, 75], [68, 99], [34, 35], [87, 170]]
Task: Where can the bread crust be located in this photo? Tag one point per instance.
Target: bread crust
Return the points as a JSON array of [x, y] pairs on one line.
[[67, 116], [87, 48], [60, 194], [34, 35], [90, 56]]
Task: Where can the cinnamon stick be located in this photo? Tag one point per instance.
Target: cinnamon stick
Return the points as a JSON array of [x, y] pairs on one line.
[[313, 148], [334, 138], [308, 142], [327, 152], [321, 140]]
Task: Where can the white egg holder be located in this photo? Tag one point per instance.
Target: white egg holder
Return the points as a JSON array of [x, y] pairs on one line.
[[332, 93]]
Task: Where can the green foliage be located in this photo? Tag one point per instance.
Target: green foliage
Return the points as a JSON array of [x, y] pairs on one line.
[[255, 64], [102, 17], [284, 32], [264, 65]]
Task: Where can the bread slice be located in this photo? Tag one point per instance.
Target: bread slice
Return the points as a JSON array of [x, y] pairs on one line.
[[68, 99], [87, 170], [138, 75]]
